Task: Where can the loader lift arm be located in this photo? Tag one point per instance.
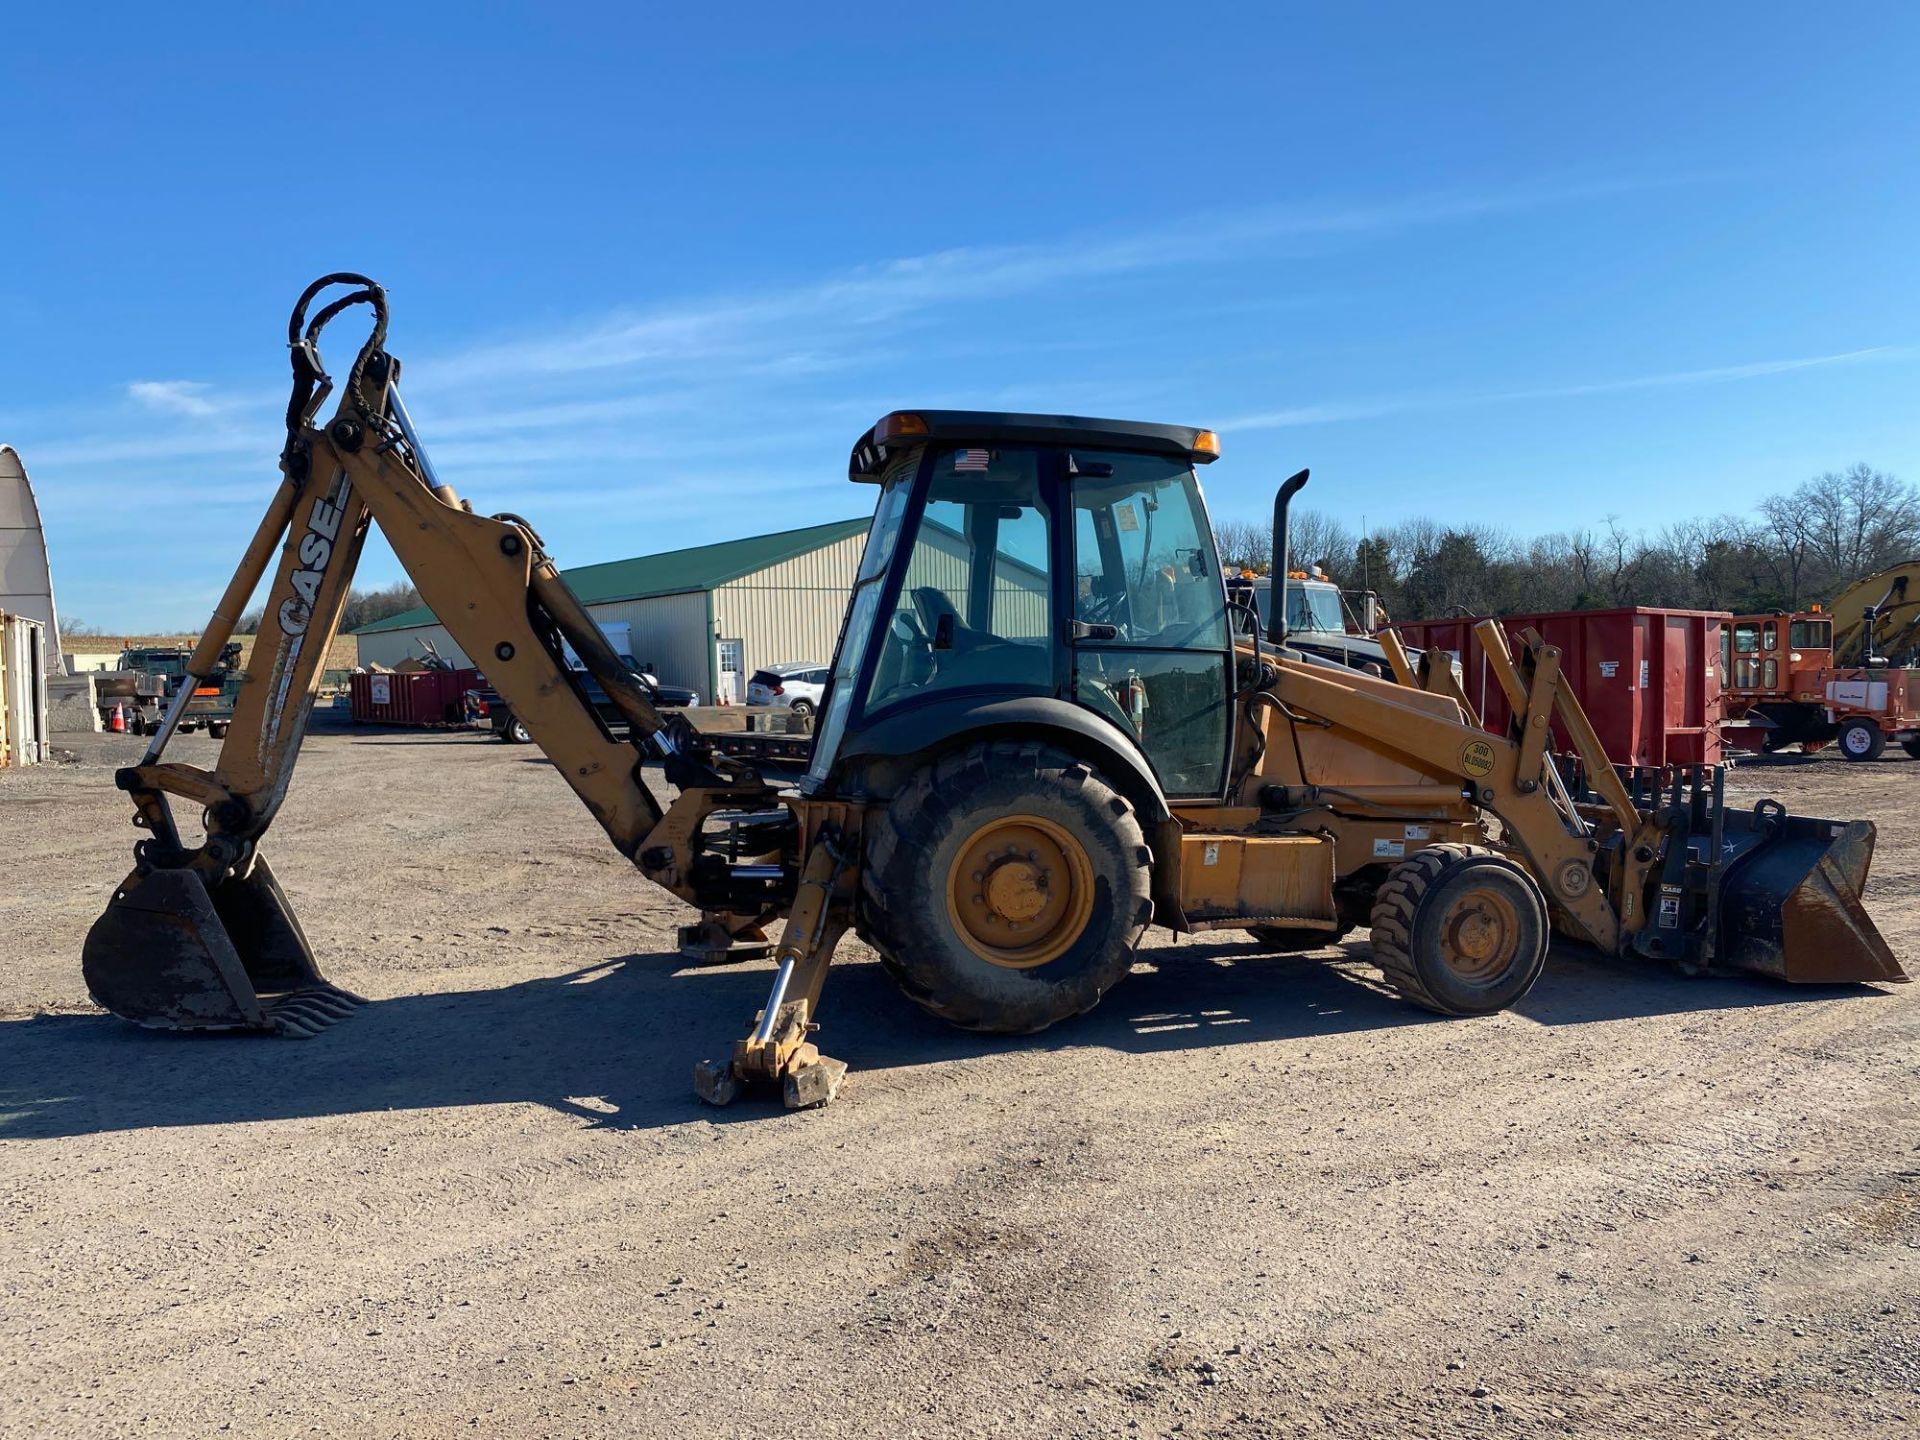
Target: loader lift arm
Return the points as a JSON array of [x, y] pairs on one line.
[[490, 582]]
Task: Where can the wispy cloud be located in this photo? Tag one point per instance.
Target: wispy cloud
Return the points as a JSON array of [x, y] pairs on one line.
[[821, 316], [1368, 408], [175, 397]]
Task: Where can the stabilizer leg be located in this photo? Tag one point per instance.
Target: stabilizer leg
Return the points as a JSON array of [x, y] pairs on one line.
[[777, 1049]]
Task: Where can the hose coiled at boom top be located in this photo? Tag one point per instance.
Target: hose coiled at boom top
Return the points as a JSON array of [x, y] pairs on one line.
[[309, 374]]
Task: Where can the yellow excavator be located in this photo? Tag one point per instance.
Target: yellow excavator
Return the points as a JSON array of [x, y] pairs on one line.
[[1044, 731]]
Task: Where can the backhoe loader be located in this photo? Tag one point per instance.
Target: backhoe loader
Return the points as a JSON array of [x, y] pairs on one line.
[[1042, 733]]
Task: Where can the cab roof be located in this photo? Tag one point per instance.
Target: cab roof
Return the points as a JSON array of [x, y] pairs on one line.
[[900, 429]]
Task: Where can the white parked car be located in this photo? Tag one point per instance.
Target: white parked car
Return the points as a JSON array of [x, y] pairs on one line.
[[798, 685]]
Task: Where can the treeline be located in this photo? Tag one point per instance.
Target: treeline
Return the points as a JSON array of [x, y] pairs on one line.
[[1793, 549], [363, 607]]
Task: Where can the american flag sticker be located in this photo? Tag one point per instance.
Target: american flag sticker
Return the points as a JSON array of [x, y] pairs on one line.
[[970, 460]]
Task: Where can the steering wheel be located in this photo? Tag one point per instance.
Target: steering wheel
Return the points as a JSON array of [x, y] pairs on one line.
[[916, 648], [1108, 607]]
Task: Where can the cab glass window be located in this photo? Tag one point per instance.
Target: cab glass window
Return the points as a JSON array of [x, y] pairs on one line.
[[1770, 636], [1746, 639], [1315, 607], [975, 605], [1143, 555], [1811, 635], [1150, 652], [882, 535]]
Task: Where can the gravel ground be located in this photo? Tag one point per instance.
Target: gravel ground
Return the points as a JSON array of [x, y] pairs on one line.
[[1246, 1196]]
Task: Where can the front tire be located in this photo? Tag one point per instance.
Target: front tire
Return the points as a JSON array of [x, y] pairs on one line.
[[1006, 887], [1460, 929]]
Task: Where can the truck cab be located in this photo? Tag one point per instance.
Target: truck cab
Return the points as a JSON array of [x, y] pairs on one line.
[[1326, 622]]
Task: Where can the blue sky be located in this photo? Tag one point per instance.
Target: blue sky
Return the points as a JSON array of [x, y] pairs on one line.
[[652, 273]]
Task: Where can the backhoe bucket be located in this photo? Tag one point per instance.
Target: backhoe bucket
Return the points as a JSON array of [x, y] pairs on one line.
[[172, 954], [1790, 901]]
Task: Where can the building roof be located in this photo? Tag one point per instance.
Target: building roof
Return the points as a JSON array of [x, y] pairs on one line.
[[673, 572]]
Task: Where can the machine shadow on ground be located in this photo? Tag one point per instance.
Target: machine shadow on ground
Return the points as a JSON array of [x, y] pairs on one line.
[[614, 1043]]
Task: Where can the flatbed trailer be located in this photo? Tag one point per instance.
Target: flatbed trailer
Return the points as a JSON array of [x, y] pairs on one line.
[[771, 733]]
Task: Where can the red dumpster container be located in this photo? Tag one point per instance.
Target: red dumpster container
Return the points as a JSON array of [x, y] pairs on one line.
[[412, 697], [1648, 679]]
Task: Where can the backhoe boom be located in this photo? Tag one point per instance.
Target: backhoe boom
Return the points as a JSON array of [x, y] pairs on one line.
[[495, 590]]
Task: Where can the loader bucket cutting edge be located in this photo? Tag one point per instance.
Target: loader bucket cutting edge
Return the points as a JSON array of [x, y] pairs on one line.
[[172, 954], [1791, 907]]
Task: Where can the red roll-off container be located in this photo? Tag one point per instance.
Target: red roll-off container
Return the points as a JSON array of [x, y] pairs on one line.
[[412, 697], [1648, 679]]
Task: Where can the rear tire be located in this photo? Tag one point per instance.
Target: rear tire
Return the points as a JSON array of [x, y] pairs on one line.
[[1912, 747], [1460, 929], [515, 732], [218, 729], [1006, 887], [1861, 739], [802, 707]]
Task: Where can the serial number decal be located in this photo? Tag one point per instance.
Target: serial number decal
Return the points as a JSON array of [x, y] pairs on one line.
[[1476, 758]]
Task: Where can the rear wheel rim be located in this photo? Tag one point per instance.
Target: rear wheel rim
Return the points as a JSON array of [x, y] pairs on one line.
[[1480, 936], [1020, 891]]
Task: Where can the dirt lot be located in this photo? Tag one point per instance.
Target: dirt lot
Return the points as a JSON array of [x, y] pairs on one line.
[[1247, 1196]]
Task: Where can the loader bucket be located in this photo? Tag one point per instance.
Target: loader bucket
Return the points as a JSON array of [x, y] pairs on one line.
[[1790, 901], [172, 954]]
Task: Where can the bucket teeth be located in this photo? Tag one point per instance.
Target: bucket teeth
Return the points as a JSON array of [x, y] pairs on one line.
[[303, 1014]]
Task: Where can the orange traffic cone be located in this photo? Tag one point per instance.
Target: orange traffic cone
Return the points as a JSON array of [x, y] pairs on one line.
[[118, 724]]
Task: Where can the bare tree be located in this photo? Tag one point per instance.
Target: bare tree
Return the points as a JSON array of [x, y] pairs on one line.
[[1317, 538], [1803, 543], [1243, 544], [1861, 520], [1790, 524]]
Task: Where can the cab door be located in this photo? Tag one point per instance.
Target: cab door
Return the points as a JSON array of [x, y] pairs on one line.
[[1149, 637]]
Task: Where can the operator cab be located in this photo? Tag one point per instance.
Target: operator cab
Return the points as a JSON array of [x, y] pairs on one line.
[[1063, 563]]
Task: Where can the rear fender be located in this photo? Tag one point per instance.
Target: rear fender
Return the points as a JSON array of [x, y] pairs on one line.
[[884, 752]]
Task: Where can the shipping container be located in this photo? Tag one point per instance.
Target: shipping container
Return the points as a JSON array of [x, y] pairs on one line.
[[413, 697], [1648, 679]]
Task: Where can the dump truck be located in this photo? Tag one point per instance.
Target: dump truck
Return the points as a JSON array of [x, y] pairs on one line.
[[1844, 674], [210, 696], [1041, 736]]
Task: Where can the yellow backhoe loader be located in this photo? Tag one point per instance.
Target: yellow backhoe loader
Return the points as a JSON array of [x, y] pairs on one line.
[[1043, 732]]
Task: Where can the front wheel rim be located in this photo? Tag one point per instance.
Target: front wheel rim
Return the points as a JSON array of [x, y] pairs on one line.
[[1020, 891], [1480, 936]]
